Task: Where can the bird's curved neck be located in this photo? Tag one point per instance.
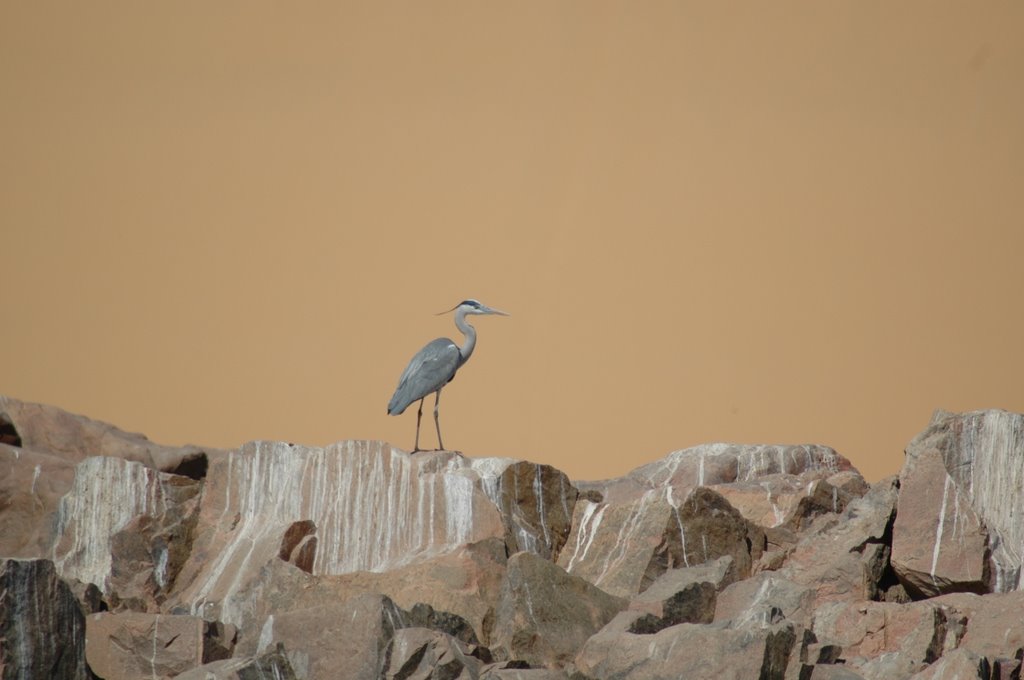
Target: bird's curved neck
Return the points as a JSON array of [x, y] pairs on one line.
[[467, 330]]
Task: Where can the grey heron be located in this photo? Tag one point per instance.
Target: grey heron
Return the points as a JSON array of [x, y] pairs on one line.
[[435, 365]]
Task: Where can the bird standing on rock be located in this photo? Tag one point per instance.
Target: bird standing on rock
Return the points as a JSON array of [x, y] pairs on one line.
[[435, 365]]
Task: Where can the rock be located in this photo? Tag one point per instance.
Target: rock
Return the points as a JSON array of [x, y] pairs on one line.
[[983, 454], [939, 544], [764, 598], [317, 648], [462, 586], [31, 486], [375, 509], [49, 429], [273, 665], [147, 554], [423, 654], [695, 603], [689, 650], [785, 500], [367, 642], [107, 495], [42, 629], [672, 595], [988, 626], [624, 547], [495, 673], [536, 503], [545, 614], [360, 560], [960, 664], [466, 583], [8, 432], [833, 672], [873, 634], [713, 464], [128, 645], [847, 560], [424, 616], [298, 545]]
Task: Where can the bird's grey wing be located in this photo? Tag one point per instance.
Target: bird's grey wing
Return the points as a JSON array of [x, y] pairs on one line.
[[427, 372]]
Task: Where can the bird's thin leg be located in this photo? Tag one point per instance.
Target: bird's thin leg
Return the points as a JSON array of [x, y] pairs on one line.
[[437, 423], [419, 414]]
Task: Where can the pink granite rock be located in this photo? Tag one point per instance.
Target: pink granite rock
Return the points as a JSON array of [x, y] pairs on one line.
[[867, 631], [983, 455], [48, 429], [31, 486], [623, 547], [106, 497], [273, 665], [359, 560], [131, 645], [939, 544], [691, 651], [545, 615], [714, 464]]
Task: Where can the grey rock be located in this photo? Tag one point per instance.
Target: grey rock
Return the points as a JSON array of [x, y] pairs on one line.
[[42, 629]]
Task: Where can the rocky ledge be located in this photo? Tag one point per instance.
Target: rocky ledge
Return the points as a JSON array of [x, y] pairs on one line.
[[120, 558]]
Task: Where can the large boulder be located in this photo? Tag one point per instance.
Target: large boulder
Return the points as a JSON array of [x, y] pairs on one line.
[[902, 639], [42, 629], [271, 665], [847, 559], [130, 645], [686, 595], [721, 463], [624, 547], [465, 583], [977, 498], [45, 428], [698, 652], [536, 503], [424, 654], [97, 513], [988, 626], [763, 598], [375, 509], [545, 614], [939, 543], [346, 640], [31, 486]]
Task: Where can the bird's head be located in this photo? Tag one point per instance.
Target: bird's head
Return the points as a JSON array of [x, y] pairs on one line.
[[474, 307]]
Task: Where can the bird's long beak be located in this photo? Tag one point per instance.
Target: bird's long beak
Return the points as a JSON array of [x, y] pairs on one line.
[[491, 310]]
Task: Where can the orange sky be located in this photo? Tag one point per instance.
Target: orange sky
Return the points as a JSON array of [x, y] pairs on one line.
[[709, 221]]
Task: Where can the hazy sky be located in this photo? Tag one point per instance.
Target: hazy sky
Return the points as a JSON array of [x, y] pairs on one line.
[[710, 221]]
